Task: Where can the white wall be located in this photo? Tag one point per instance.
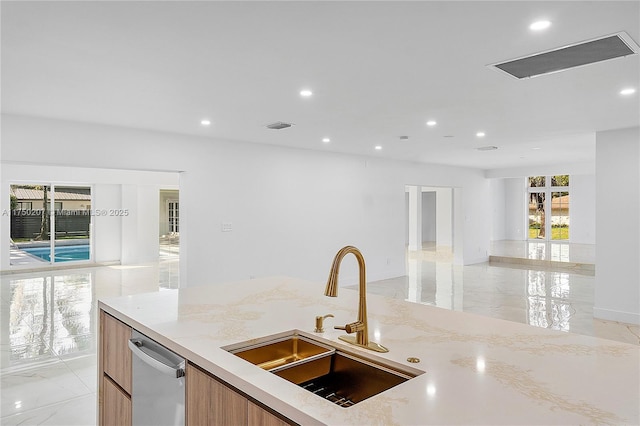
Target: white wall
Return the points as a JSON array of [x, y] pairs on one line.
[[429, 216], [498, 209], [415, 217], [140, 226], [444, 217], [107, 230], [582, 209], [515, 202], [290, 210], [617, 292]]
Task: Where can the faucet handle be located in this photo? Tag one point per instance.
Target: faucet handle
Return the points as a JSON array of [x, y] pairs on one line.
[[351, 327], [319, 321]]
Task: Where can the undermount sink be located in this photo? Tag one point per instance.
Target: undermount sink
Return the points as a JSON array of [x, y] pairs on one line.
[[341, 377]]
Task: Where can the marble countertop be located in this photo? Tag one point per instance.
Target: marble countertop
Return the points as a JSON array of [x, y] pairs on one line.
[[478, 370]]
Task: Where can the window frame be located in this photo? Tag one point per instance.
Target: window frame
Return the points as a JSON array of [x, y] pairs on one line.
[[548, 190]]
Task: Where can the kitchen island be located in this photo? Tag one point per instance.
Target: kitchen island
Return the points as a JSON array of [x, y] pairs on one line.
[[478, 370]]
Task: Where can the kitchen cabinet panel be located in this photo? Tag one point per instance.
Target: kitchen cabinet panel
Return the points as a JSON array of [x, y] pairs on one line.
[[116, 356], [210, 402], [117, 405], [259, 416]]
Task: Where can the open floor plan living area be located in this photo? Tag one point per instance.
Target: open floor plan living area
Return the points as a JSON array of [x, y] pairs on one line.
[[319, 213]]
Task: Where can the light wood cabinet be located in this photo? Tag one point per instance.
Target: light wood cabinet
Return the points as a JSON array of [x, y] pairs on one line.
[[258, 416], [210, 402], [114, 369], [116, 355], [117, 404]]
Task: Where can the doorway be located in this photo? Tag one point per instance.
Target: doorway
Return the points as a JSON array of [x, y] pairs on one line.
[[169, 221], [429, 224]]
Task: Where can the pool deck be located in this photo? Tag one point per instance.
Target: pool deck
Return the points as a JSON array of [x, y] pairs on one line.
[[21, 257]]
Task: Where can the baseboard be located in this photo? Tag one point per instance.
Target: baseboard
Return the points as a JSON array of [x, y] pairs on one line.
[[23, 269], [473, 261], [576, 268], [619, 316]]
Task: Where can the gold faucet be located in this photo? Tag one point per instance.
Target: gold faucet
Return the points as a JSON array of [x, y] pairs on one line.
[[360, 326]]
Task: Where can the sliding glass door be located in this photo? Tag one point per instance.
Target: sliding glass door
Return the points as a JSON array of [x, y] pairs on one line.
[[72, 215], [49, 224]]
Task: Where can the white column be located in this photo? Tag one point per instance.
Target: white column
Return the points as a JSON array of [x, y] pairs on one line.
[[444, 217], [617, 290], [458, 226], [415, 217]]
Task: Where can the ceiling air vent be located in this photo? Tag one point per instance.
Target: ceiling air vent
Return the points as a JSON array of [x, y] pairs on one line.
[[487, 148], [279, 125], [574, 55]]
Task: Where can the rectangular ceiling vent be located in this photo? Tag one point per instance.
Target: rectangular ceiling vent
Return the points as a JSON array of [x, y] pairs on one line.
[[575, 55], [279, 125]]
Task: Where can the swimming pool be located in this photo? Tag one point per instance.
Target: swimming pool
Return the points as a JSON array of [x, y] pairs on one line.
[[62, 253]]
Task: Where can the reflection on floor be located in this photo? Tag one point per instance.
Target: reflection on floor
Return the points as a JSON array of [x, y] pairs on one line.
[[48, 359], [543, 297], [48, 329], [556, 255]]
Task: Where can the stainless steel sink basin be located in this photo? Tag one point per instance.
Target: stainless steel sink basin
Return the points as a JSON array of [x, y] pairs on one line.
[[281, 351], [339, 376]]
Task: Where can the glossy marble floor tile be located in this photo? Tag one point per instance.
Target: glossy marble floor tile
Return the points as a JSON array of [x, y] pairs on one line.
[[48, 339], [79, 411], [48, 324], [538, 297]]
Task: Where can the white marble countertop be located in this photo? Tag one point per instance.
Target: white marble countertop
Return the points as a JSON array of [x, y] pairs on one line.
[[479, 370]]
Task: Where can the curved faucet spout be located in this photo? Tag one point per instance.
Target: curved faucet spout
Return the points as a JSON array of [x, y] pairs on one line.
[[331, 290]]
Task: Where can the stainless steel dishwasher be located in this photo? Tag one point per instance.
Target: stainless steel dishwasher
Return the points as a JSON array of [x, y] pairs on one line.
[[157, 396]]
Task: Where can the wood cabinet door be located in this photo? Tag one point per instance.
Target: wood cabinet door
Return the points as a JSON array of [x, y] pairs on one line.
[[117, 405], [257, 416], [115, 352], [210, 402]]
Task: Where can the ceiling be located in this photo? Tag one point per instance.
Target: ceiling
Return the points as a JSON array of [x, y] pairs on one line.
[[378, 71]]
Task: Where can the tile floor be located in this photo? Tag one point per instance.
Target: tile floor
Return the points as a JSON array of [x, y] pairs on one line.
[[48, 320]]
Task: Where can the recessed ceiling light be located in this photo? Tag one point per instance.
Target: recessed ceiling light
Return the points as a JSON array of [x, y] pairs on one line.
[[480, 134], [431, 123], [205, 122], [378, 147], [628, 91], [536, 148], [540, 25], [305, 93], [326, 140]]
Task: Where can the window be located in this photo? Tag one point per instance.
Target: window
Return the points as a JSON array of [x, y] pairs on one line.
[[23, 205], [48, 234], [173, 209], [548, 207]]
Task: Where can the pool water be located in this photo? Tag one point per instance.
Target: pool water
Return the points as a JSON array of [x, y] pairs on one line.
[[62, 254]]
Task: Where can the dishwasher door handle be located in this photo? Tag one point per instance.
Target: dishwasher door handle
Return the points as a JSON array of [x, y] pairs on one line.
[[136, 346]]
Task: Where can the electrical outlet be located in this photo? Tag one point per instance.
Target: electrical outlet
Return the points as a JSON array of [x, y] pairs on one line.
[[227, 227]]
